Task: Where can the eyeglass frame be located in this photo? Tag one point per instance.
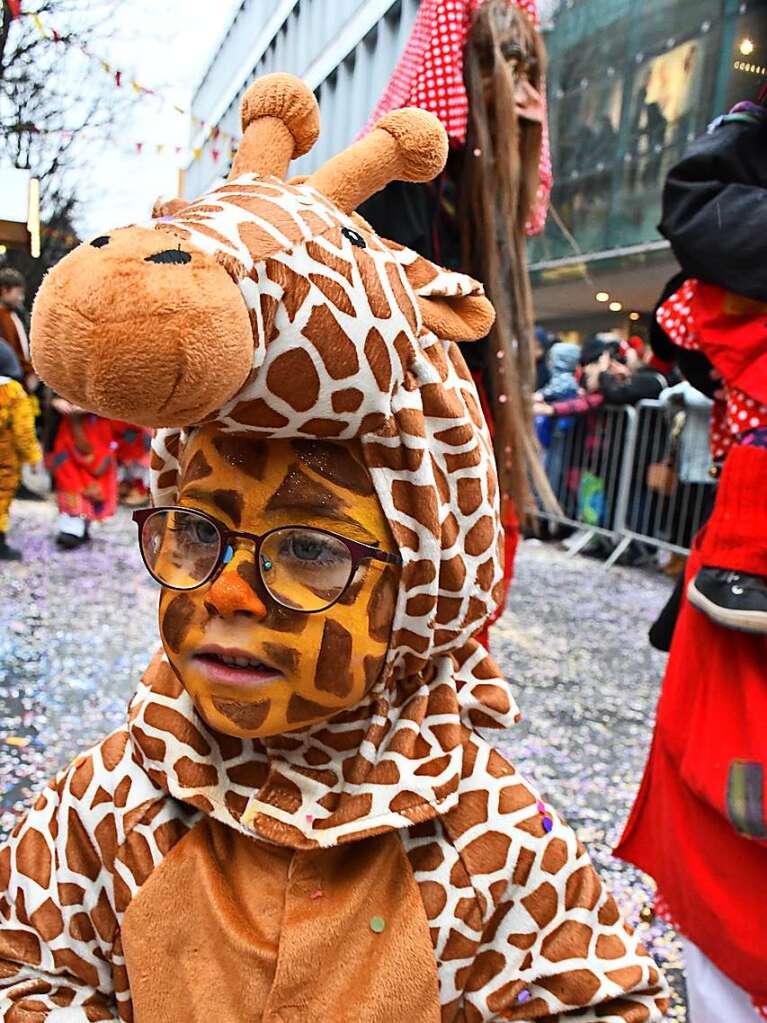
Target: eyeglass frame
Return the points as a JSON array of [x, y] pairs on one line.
[[358, 551]]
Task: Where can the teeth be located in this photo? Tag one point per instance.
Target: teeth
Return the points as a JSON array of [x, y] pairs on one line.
[[240, 662]]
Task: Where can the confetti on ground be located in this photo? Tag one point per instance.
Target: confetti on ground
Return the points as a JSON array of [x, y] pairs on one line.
[[77, 628], [573, 645]]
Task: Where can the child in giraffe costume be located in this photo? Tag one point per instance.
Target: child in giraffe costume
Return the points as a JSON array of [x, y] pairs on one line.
[[300, 819]]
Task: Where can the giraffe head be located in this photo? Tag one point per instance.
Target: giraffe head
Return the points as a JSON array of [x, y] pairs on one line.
[[161, 324], [350, 341]]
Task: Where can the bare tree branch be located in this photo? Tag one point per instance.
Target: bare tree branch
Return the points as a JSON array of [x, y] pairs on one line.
[[56, 104]]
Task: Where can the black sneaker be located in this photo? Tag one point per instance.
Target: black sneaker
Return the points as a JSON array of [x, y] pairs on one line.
[[734, 600], [68, 541], [25, 494], [9, 553]]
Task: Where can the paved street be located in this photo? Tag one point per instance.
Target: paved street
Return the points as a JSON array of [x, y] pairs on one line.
[[77, 628]]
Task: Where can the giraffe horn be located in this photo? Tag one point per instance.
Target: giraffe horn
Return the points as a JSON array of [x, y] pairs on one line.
[[280, 121], [406, 145]]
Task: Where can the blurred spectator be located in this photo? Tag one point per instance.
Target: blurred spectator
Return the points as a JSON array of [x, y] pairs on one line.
[[694, 463], [624, 382], [18, 443], [13, 321], [561, 364], [541, 345]]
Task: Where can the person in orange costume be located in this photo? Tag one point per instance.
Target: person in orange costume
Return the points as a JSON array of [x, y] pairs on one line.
[[300, 816], [18, 443]]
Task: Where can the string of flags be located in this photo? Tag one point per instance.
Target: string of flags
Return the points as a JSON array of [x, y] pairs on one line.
[[223, 143]]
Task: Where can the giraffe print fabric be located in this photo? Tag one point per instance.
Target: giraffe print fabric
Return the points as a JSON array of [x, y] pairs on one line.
[[280, 876]]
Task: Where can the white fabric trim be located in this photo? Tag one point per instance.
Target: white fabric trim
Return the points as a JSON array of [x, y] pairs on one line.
[[72, 1014], [713, 997], [71, 524]]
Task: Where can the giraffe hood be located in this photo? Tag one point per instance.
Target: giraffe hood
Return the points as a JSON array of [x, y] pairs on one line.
[[352, 337]]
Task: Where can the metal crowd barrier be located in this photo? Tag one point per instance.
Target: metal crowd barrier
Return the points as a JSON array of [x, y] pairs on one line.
[[597, 463]]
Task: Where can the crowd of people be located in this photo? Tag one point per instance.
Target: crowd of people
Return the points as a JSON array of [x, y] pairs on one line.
[[45, 441]]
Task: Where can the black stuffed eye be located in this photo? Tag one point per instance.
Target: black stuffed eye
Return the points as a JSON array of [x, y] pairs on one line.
[[354, 237], [101, 241]]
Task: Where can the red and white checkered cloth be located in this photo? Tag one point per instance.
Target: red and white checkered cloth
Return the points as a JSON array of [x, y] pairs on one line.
[[430, 75], [737, 413]]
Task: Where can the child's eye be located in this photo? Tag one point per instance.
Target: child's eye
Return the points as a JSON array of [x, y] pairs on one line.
[[313, 549], [193, 529]]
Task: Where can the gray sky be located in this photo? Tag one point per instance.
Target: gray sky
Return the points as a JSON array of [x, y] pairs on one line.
[[163, 46]]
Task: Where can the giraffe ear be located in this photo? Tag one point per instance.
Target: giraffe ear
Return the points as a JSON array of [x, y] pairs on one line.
[[168, 207], [453, 305]]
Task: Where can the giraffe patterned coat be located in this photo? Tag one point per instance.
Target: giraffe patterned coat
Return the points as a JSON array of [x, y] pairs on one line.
[[385, 864]]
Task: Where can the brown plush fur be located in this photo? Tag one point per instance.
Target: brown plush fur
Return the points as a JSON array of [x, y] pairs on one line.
[[166, 344], [191, 343], [406, 145], [281, 923], [280, 122]]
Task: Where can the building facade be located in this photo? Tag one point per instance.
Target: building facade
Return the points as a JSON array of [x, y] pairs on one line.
[[345, 50], [630, 83]]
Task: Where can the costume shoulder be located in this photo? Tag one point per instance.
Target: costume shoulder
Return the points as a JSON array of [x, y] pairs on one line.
[[67, 875], [518, 915]]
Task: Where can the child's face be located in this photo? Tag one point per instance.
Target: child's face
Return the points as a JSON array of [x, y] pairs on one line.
[[13, 296], [310, 666]]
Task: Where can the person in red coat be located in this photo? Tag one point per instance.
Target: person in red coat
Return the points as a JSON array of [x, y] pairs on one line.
[[699, 825], [713, 201]]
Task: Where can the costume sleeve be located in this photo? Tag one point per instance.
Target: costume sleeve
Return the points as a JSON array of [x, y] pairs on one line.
[[638, 387], [57, 927], [23, 426], [715, 208], [573, 957]]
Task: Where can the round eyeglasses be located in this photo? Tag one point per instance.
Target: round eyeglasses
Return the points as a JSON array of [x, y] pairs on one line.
[[301, 568]]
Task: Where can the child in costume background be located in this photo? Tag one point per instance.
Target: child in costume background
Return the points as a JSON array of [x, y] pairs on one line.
[[18, 443], [84, 469], [134, 444], [300, 815]]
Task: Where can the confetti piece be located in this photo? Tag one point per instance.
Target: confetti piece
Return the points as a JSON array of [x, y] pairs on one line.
[[18, 740]]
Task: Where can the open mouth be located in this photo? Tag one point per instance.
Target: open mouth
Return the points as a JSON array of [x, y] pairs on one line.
[[235, 667]]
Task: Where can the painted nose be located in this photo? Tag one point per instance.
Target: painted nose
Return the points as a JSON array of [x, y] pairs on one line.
[[233, 591]]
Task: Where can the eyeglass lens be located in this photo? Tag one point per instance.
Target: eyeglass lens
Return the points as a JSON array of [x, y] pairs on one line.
[[301, 568]]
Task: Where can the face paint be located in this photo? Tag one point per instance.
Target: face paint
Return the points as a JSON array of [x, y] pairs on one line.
[[252, 667]]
